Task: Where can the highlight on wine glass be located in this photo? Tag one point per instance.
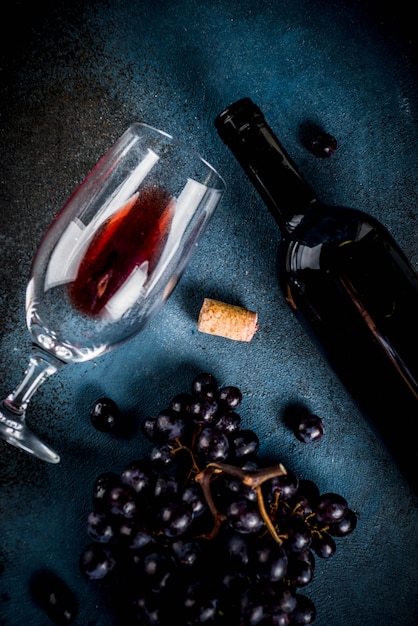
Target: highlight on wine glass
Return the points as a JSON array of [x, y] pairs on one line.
[[110, 260]]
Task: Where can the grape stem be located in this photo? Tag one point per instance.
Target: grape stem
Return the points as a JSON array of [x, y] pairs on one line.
[[253, 479]]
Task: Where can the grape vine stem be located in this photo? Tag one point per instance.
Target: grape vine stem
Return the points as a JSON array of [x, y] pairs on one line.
[[253, 479]]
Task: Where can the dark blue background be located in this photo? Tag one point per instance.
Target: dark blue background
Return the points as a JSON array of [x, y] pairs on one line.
[[73, 76]]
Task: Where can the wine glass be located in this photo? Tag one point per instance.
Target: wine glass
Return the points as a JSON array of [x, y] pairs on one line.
[[110, 260]]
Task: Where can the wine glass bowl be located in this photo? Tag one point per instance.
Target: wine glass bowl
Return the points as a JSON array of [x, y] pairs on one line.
[[110, 260]]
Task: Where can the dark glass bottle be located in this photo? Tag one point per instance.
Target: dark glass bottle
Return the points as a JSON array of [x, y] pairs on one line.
[[346, 279]]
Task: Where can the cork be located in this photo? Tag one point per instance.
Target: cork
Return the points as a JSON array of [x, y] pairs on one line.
[[227, 320]]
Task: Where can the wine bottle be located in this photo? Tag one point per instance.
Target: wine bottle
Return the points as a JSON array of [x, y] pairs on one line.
[[346, 279]]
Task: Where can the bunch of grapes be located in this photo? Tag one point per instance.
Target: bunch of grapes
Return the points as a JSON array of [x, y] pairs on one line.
[[201, 532]]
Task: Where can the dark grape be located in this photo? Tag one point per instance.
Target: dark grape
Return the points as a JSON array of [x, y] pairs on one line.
[[175, 516], [168, 426], [299, 535], [283, 600], [186, 552], [100, 527], [244, 443], [323, 145], [137, 476], [237, 550], [180, 403], [166, 486], [105, 415], [147, 428], [205, 384], [148, 608], [192, 494], [135, 535], [160, 458], [230, 397], [228, 422], [53, 595], [331, 508], [156, 568], [244, 516], [305, 611], [309, 428], [212, 445], [284, 486], [102, 486], [323, 545], [97, 561], [121, 501], [203, 409], [240, 490], [299, 572]]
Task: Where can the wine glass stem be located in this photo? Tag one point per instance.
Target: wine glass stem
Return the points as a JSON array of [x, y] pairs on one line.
[[41, 366]]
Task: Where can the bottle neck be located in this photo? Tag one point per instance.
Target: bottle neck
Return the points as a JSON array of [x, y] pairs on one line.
[[243, 129]]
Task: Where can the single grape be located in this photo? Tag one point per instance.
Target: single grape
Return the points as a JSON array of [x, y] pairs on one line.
[[102, 486], [212, 445], [193, 495], [160, 457], [244, 516], [304, 501], [284, 486], [237, 550], [105, 415], [100, 527], [283, 600], [323, 545], [168, 426], [156, 568], [180, 403], [228, 422], [299, 572], [278, 618], [121, 501], [148, 608], [137, 476], [186, 551], [309, 428], [166, 486], [147, 427], [240, 490], [97, 561], [299, 535], [203, 409], [205, 384], [175, 517], [331, 508], [135, 535], [323, 145], [53, 595], [244, 443], [305, 611], [230, 397]]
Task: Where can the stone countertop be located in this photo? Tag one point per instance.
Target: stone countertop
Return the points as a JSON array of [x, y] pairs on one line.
[[73, 76]]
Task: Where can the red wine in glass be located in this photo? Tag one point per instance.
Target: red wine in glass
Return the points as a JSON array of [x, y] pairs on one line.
[[131, 238]]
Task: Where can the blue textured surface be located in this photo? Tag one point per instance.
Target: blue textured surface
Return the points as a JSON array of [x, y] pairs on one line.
[[74, 76]]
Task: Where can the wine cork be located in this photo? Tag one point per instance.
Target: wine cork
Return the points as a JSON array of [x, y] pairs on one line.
[[227, 320]]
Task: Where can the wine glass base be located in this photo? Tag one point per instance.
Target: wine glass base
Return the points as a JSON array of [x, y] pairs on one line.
[[20, 436]]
